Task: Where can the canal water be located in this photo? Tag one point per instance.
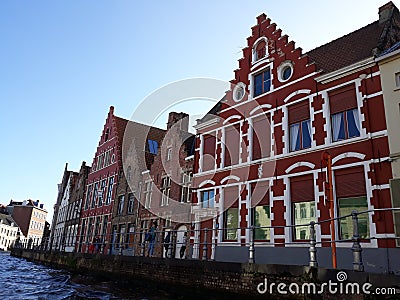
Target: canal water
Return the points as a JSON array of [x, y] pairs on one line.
[[22, 279]]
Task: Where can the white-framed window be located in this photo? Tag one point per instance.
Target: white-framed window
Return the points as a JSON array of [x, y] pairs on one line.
[[102, 192], [207, 198], [262, 82], [121, 202], [345, 121], [95, 194], [169, 154], [260, 49], [397, 79], [285, 71], [110, 189], [165, 190], [239, 91], [299, 126], [131, 203], [147, 194], [186, 190]]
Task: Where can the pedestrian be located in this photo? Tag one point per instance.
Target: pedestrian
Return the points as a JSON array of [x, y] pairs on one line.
[[97, 244], [30, 241], [183, 247], [167, 242], [152, 239]]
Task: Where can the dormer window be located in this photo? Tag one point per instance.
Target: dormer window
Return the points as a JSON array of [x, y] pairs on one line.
[[260, 49]]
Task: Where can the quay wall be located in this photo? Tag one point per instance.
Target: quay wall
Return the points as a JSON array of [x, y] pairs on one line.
[[235, 278]]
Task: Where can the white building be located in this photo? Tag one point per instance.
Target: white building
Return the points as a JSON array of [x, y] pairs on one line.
[[60, 230], [8, 232]]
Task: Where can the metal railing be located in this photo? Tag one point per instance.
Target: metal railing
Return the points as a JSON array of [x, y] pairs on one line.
[[199, 242]]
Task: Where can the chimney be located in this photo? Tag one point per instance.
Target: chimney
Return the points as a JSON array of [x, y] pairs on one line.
[[386, 12], [181, 117]]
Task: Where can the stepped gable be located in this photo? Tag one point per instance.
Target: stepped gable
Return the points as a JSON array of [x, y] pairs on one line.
[[279, 50]]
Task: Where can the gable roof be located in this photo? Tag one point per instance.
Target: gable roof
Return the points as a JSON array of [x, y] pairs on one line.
[[7, 219], [348, 49], [368, 41]]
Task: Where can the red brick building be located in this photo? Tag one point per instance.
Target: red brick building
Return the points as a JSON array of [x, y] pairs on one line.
[[166, 188], [258, 160], [141, 146], [95, 217]]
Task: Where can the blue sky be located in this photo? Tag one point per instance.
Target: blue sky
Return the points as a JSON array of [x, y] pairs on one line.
[[63, 63]]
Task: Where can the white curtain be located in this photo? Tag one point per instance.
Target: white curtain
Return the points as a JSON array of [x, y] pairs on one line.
[[336, 122], [294, 134], [356, 119]]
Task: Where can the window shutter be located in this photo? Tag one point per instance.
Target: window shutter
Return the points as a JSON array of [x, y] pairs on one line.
[[209, 145], [231, 197], [343, 99], [299, 112], [259, 193], [232, 142], [302, 188], [350, 182], [209, 152], [261, 137]]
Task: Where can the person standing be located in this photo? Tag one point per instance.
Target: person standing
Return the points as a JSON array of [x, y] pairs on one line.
[[152, 238], [183, 247], [167, 242]]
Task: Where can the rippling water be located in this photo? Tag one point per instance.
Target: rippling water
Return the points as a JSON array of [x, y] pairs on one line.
[[22, 279]]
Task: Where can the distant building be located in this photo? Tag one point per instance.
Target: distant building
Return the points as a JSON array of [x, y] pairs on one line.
[[67, 209], [9, 230], [74, 208], [95, 219], [57, 237], [54, 233], [31, 217]]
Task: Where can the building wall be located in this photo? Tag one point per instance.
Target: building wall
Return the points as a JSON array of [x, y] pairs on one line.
[[282, 165], [107, 163], [390, 79], [172, 164], [37, 225], [8, 235], [389, 66]]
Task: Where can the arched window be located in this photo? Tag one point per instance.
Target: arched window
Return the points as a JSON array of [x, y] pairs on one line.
[[260, 49]]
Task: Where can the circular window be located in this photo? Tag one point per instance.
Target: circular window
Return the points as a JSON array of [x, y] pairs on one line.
[[285, 71], [239, 91]]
